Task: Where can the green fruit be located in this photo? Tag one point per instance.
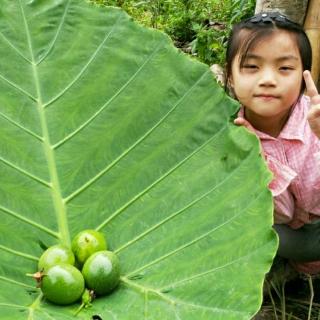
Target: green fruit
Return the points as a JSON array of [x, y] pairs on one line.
[[54, 255], [86, 243], [101, 272], [62, 284]]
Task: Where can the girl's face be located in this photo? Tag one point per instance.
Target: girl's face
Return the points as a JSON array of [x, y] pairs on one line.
[[268, 84]]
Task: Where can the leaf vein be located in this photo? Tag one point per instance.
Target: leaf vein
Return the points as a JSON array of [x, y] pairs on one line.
[[57, 34], [11, 305], [34, 306], [85, 67], [158, 181], [203, 274], [18, 253], [212, 309], [174, 301], [14, 47], [15, 86], [145, 313], [59, 206], [188, 244], [176, 312], [24, 172], [29, 221], [21, 127], [21, 284], [100, 110], [102, 172]]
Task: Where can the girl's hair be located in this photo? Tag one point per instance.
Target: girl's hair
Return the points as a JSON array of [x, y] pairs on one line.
[[259, 27]]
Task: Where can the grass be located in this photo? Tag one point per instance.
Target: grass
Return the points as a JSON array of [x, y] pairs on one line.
[[289, 295]]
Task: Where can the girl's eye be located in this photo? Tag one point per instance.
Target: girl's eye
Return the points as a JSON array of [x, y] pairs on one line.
[[286, 68], [250, 66]]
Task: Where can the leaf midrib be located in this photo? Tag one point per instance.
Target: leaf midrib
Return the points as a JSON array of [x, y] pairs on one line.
[[59, 204]]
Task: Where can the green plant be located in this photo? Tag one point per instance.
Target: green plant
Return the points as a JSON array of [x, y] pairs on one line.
[[178, 24], [199, 27], [209, 44], [157, 8], [106, 126], [101, 272]]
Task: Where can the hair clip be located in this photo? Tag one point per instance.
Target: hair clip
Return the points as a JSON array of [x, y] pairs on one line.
[[268, 17]]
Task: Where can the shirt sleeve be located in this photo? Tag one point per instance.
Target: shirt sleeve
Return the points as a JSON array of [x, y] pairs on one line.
[[283, 200], [282, 175]]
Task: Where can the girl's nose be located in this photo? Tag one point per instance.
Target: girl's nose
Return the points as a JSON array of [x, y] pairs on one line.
[[267, 78]]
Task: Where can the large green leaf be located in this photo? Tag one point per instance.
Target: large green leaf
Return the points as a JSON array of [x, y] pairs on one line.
[[105, 125]]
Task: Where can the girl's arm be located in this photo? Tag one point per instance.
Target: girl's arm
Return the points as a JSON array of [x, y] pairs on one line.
[[314, 113]]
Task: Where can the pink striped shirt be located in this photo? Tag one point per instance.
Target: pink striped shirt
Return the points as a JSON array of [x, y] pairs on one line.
[[294, 159]]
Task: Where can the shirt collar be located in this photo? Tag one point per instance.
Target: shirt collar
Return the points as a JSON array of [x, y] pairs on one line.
[[295, 126]]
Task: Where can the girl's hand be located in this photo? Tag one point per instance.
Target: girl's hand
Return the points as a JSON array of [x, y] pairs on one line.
[[242, 122], [314, 112]]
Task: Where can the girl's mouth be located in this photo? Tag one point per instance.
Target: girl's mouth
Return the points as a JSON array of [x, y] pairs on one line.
[[266, 97]]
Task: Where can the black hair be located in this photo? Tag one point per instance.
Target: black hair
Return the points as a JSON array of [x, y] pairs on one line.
[[261, 26]]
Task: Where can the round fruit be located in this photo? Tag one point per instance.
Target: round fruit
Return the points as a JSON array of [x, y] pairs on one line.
[[101, 272], [62, 284], [86, 243], [55, 254]]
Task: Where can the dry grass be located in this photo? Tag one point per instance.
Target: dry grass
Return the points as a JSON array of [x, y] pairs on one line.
[[289, 295]]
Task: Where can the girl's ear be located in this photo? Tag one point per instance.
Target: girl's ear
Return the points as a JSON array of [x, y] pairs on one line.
[[230, 81], [228, 76], [230, 86]]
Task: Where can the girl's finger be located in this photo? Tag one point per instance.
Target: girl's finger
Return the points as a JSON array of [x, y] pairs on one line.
[[314, 113], [243, 122], [314, 119], [312, 90]]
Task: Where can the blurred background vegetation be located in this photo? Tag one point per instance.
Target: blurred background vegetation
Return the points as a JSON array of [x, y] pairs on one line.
[[198, 27]]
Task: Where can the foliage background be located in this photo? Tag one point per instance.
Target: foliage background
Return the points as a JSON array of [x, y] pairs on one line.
[[199, 27]]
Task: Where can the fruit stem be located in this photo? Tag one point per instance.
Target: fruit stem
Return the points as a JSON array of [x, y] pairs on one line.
[[30, 275], [79, 309], [87, 298], [37, 276]]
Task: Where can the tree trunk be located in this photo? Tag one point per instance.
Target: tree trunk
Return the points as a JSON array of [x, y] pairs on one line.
[[293, 9], [312, 28]]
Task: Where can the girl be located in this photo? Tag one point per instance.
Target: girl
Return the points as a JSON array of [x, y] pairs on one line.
[[268, 58]]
